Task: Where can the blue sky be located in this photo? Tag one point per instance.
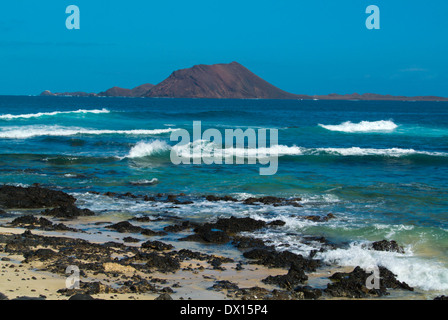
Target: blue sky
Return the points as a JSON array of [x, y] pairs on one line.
[[306, 47]]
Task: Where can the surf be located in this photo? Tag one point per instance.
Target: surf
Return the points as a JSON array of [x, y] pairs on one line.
[[49, 114], [363, 126], [26, 132]]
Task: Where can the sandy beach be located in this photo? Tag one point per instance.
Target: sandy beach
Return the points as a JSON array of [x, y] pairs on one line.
[[164, 257]]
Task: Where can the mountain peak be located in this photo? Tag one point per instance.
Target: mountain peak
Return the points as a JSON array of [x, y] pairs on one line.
[[223, 80]]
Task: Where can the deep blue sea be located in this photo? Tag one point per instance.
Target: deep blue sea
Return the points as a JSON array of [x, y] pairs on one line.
[[381, 167]]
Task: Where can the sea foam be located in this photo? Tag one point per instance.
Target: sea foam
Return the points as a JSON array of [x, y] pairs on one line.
[[54, 113], [363, 126], [25, 132], [204, 149], [415, 271]]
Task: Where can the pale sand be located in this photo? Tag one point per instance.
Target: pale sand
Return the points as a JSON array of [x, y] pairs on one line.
[[18, 279]]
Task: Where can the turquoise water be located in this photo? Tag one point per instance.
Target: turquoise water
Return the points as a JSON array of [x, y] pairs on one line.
[[380, 167]]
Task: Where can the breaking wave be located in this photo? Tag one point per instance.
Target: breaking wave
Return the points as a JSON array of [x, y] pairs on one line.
[[363, 126], [201, 147], [49, 114], [25, 132]]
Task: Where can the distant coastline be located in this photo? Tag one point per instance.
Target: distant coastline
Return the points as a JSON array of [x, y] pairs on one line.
[[226, 81]]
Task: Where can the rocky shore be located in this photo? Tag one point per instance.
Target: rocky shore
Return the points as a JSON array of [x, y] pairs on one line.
[[43, 233]]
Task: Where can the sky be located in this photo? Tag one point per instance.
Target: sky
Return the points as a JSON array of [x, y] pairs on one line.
[[304, 47]]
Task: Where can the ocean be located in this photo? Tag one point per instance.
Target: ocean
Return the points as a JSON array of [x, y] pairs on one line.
[[380, 167]]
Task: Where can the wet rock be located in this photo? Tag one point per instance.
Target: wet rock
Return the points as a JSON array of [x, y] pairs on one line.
[[41, 255], [276, 223], [213, 198], [127, 227], [3, 297], [130, 240], [2, 213], [68, 212], [320, 218], [180, 227], [151, 233], [284, 259], [269, 200], [224, 285], [141, 219], [164, 296], [309, 293], [33, 197], [257, 293], [294, 277], [32, 222], [439, 298], [385, 245], [353, 284], [162, 263], [247, 242], [157, 245], [208, 235], [137, 286]]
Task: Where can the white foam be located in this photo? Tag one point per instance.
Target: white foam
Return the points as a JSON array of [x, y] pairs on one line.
[[363, 126], [54, 113], [146, 149], [390, 152], [25, 132], [206, 149], [145, 182], [415, 271]]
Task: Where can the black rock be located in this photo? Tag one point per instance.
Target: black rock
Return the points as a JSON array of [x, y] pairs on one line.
[[180, 227], [309, 293], [131, 240], [163, 263], [157, 245], [247, 242], [208, 235], [353, 284], [284, 259], [294, 277], [40, 254], [3, 297], [68, 211], [33, 197], [213, 198], [125, 227], [385, 245], [33, 222], [224, 285], [439, 298], [164, 296]]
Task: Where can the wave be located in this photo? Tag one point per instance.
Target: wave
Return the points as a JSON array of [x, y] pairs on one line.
[[363, 126], [391, 152], [145, 149], [415, 271], [49, 114], [26, 132], [145, 182], [201, 147]]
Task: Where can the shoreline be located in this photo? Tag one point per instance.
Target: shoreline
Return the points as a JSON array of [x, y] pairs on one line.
[[164, 257]]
